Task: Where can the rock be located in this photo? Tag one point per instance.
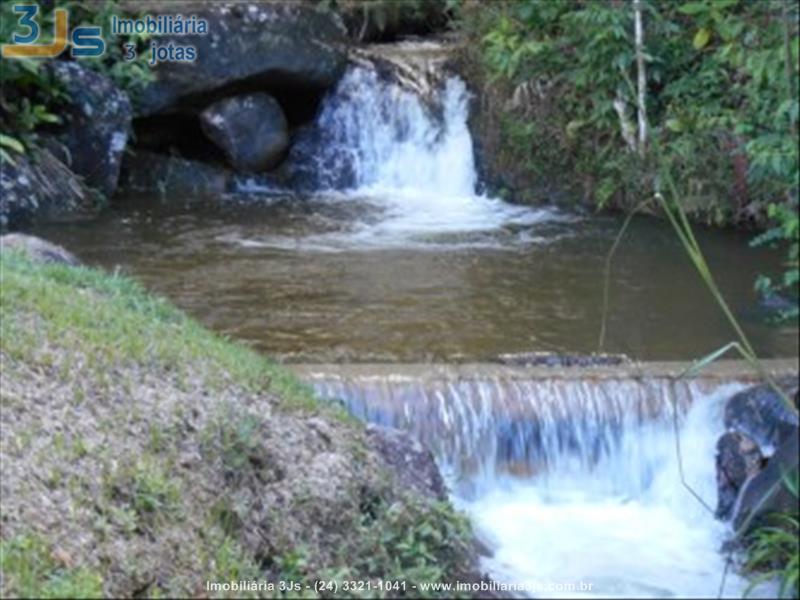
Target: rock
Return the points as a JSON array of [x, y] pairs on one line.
[[251, 129], [738, 459], [37, 249], [767, 491], [412, 464], [253, 46], [42, 189], [761, 414], [388, 21], [306, 169], [150, 172], [96, 124]]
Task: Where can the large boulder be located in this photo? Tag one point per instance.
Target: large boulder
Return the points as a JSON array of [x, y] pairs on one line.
[[758, 451], [150, 172], [763, 415], [42, 188], [738, 459], [412, 463], [767, 492], [250, 129], [253, 46], [97, 121], [37, 249]]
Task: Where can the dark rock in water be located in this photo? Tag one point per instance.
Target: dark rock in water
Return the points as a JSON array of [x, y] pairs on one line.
[[37, 249], [249, 47], [307, 169], [96, 124], [42, 189], [251, 129], [767, 492], [762, 414], [738, 459], [150, 172], [548, 359], [412, 463]]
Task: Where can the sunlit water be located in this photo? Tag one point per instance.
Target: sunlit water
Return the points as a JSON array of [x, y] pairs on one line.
[[403, 261]]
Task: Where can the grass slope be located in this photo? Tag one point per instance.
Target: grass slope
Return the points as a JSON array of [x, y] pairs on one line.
[[143, 455]]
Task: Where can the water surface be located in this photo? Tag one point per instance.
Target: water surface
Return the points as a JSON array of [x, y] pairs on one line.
[[338, 279]]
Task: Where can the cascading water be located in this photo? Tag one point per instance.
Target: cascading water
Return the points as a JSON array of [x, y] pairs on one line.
[[573, 483], [400, 158]]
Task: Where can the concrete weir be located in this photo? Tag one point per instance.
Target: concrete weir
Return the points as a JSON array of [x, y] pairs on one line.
[[721, 370], [483, 420]]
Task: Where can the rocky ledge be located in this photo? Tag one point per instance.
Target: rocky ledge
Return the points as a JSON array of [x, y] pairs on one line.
[[758, 451]]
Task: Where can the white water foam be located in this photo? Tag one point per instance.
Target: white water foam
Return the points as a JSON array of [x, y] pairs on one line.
[[573, 481], [602, 529]]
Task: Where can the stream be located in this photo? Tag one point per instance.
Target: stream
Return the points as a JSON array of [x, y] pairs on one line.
[[396, 258]]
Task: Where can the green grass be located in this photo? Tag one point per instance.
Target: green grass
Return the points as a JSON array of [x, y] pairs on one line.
[[31, 570], [114, 320], [157, 527]]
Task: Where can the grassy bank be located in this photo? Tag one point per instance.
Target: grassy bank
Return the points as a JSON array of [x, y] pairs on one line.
[[143, 455]]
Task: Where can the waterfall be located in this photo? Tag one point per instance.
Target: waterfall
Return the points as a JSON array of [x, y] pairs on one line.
[[571, 481], [393, 140], [400, 148]]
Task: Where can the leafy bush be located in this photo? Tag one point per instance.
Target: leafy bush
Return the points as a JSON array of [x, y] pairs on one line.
[[31, 98], [721, 104], [774, 548], [720, 93], [786, 231]]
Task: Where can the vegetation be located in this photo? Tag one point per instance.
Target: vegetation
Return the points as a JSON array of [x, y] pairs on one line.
[[383, 19], [719, 111], [31, 97], [773, 549], [32, 570]]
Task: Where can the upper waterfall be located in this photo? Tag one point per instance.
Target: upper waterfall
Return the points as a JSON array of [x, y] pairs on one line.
[[393, 137], [396, 142]]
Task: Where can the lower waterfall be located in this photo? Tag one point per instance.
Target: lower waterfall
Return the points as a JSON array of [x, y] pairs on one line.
[[574, 483]]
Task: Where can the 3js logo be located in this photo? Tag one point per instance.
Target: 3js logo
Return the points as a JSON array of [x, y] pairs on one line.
[[86, 40]]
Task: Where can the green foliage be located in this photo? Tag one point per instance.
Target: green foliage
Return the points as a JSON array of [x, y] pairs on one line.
[[786, 231], [407, 541], [773, 550], [722, 103], [718, 88], [31, 97], [426, 544], [131, 76], [30, 570]]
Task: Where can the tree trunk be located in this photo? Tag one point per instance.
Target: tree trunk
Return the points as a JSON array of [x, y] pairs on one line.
[[641, 76]]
